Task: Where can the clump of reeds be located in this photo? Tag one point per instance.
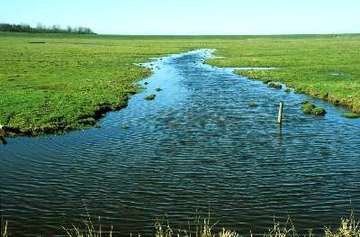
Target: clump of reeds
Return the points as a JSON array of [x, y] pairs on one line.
[[351, 115], [310, 108], [4, 229], [286, 229], [89, 230], [275, 85], [349, 227], [150, 97], [200, 229]]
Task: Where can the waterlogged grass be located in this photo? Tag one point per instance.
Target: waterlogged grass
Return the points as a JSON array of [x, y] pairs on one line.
[[351, 115], [275, 85], [310, 108], [150, 97], [69, 81]]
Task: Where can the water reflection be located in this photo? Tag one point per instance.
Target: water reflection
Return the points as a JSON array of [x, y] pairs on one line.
[[197, 146]]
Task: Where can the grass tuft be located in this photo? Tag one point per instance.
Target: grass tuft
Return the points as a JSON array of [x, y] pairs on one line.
[[309, 108], [286, 229], [200, 229], [319, 111], [351, 115], [253, 104], [4, 229], [275, 85], [349, 227], [88, 230], [150, 97]]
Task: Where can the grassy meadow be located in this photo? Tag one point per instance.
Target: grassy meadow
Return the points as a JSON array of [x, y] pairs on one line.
[[69, 81], [327, 67], [57, 82]]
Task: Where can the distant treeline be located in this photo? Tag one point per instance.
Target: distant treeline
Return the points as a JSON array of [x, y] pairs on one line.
[[44, 29]]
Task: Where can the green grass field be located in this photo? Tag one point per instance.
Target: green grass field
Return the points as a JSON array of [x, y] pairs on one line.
[[54, 82], [327, 67]]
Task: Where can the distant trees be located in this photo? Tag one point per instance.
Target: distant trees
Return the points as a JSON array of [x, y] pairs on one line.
[[40, 28]]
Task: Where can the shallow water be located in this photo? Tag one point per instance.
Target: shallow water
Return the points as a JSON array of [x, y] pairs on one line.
[[200, 145]]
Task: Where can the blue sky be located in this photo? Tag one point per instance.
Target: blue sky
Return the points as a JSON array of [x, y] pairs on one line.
[[190, 16]]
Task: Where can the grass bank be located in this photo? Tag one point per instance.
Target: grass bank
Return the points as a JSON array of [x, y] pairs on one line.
[[323, 66], [55, 82]]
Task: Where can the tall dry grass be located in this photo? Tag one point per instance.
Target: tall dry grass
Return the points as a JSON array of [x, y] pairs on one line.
[[4, 229], [349, 227], [200, 229], [88, 230]]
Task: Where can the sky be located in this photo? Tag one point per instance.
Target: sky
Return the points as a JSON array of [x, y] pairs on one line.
[[188, 17]]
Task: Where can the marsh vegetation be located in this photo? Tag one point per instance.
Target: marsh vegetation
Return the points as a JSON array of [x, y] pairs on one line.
[[348, 227], [310, 108], [150, 97], [275, 85], [351, 115]]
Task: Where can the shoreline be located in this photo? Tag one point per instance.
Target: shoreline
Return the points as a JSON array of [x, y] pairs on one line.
[[98, 114], [91, 76], [312, 93], [87, 122], [103, 109]]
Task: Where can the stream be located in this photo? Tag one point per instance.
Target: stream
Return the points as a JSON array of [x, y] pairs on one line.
[[209, 142]]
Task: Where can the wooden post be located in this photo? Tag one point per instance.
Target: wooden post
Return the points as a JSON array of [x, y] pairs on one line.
[[2, 131], [3, 141], [281, 111], [2, 135]]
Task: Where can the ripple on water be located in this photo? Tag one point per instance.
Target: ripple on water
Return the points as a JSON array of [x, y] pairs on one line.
[[198, 146]]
